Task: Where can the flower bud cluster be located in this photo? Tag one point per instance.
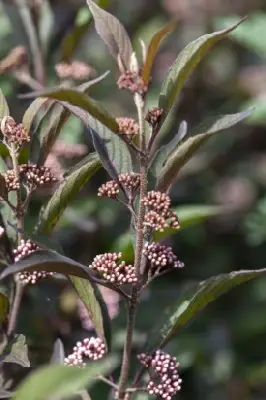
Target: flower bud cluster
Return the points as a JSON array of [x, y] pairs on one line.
[[14, 133], [111, 299], [128, 127], [165, 367], [161, 257], [25, 248], [133, 82], [92, 349], [159, 216], [107, 266], [77, 70], [31, 175], [130, 181], [153, 116]]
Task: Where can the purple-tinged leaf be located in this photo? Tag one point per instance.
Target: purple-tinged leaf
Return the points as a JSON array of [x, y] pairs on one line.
[[199, 136], [4, 109], [32, 111], [193, 301], [113, 34], [153, 49]]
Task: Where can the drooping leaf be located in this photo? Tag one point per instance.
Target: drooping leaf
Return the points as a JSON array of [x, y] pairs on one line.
[[4, 109], [58, 355], [77, 98], [32, 111], [186, 63], [113, 33], [193, 301], [58, 381], [65, 193], [183, 153], [47, 260], [102, 151], [16, 352], [92, 299], [44, 140], [117, 149], [153, 49], [163, 153]]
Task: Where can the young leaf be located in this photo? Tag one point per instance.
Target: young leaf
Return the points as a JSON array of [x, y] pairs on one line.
[[91, 300], [4, 110], [153, 49], [117, 149], [182, 154], [16, 352], [186, 63], [65, 193], [113, 34], [58, 381], [102, 151], [32, 111], [46, 260], [163, 153], [58, 355], [193, 301]]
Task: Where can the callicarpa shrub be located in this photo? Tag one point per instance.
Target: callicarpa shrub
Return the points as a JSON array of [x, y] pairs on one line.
[[142, 169]]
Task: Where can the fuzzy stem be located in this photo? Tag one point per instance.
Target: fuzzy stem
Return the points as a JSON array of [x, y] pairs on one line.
[[19, 217], [132, 306]]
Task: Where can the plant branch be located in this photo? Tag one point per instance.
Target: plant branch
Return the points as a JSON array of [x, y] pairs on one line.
[[132, 306], [19, 217]]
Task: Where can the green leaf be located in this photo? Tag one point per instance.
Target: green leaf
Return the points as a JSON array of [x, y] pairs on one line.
[[183, 153], [112, 33], [32, 111], [153, 49], [57, 381], [117, 149], [58, 355], [163, 152], [92, 300], [76, 98], [66, 192], [47, 260], [4, 110], [16, 352], [45, 138], [4, 306], [193, 301], [186, 63]]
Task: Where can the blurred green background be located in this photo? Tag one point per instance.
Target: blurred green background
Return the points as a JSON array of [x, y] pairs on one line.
[[222, 353]]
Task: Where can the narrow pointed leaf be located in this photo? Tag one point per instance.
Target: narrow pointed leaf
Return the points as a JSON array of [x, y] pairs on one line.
[[117, 149], [153, 49], [193, 301], [186, 63], [47, 260], [58, 381], [183, 153], [66, 192], [112, 33], [32, 111], [91, 300], [83, 87], [163, 153], [102, 151], [4, 109], [58, 355]]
